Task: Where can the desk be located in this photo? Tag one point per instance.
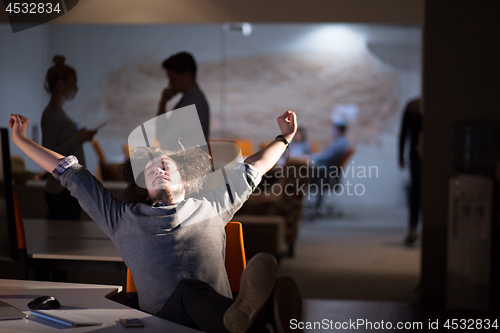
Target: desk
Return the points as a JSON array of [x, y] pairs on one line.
[[72, 246], [263, 233], [58, 232], [83, 299], [90, 301], [68, 240], [32, 197], [73, 249], [42, 228]]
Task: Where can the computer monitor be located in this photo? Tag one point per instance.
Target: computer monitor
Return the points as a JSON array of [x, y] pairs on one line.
[[8, 237]]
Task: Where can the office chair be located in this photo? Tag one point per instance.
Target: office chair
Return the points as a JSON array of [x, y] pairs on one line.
[[19, 269], [106, 171], [235, 262], [246, 146], [318, 208], [21, 236]]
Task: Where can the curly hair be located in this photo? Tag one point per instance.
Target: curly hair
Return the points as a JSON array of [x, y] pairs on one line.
[[193, 164]]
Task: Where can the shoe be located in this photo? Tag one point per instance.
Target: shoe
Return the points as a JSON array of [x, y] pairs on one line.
[[256, 287], [411, 238], [287, 304]]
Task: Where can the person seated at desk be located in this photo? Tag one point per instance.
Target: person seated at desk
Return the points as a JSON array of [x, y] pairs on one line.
[[299, 148], [174, 246], [330, 158]]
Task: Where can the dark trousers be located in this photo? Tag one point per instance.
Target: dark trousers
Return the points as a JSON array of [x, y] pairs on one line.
[[197, 305], [63, 206], [415, 189]]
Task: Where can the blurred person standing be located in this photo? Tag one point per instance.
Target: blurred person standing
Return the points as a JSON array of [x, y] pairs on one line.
[[63, 135], [181, 72], [411, 128]]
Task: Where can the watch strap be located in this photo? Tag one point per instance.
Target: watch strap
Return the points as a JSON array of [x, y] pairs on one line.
[[282, 139]]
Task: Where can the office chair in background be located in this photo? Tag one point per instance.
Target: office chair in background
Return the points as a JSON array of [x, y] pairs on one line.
[[106, 170], [318, 209]]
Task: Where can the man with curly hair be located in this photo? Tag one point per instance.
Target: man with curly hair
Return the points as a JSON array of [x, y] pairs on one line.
[[174, 242]]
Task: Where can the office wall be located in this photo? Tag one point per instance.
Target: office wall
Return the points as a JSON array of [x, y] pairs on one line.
[[461, 71], [23, 60], [309, 68]]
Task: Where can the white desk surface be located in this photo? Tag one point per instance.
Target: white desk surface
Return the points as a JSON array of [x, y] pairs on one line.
[[83, 299]]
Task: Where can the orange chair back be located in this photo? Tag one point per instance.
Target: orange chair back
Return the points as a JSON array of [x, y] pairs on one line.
[[346, 156], [235, 258], [126, 151], [314, 147], [235, 255], [245, 145], [130, 282], [21, 236]]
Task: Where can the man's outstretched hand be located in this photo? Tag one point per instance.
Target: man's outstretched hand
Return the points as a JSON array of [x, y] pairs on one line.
[[288, 124], [42, 156], [19, 125]]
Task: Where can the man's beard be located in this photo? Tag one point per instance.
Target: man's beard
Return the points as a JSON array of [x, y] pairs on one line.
[[166, 195]]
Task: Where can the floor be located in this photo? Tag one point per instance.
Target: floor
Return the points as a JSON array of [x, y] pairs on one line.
[[357, 260], [358, 256]]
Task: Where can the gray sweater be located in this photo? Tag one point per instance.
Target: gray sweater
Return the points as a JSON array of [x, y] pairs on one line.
[[163, 245]]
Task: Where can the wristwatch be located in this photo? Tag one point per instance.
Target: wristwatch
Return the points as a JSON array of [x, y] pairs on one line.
[[282, 139]]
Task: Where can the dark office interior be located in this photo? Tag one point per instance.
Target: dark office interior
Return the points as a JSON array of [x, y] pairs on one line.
[[349, 259]]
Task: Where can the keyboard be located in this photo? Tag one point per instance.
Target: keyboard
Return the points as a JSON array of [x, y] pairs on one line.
[[8, 312], [65, 318]]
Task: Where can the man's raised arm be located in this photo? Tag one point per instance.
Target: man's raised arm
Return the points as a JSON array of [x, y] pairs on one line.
[[42, 156], [267, 157]]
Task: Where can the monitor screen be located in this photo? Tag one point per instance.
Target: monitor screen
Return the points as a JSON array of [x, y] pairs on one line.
[[8, 238]]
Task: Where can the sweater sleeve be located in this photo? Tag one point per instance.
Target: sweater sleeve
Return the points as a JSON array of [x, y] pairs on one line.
[[102, 207], [230, 195]]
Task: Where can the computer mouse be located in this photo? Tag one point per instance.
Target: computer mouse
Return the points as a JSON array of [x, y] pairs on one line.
[[44, 303]]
